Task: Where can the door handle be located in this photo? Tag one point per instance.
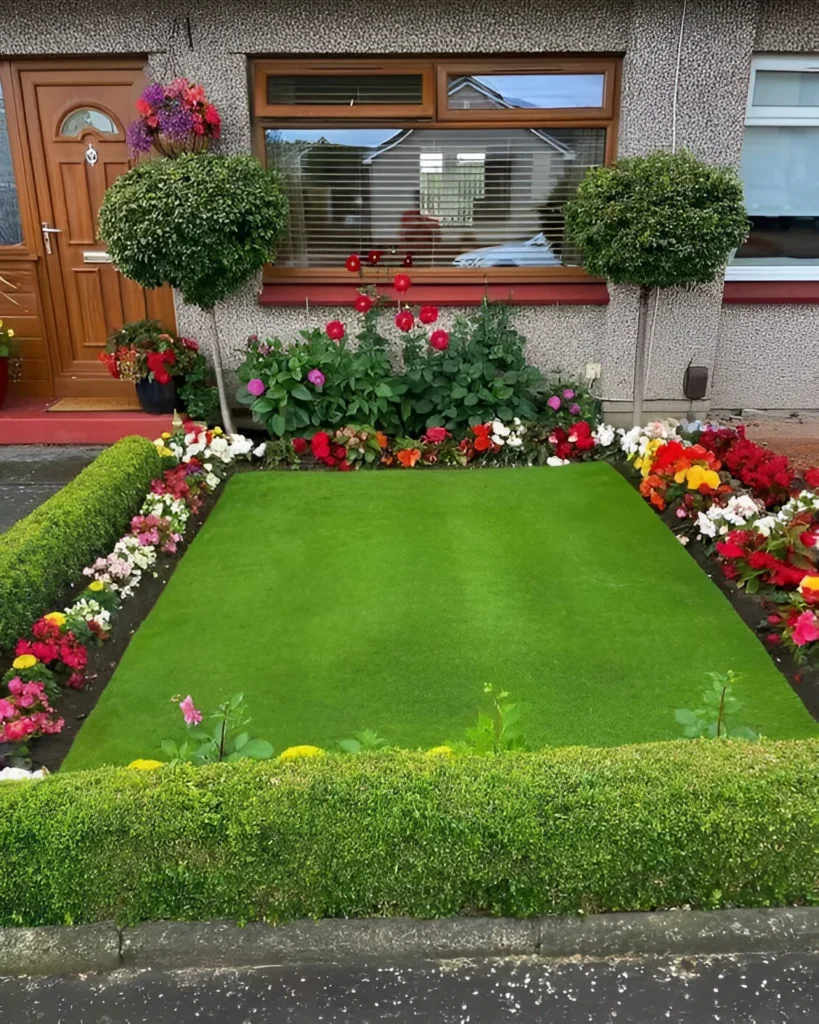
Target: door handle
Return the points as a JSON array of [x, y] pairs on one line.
[[47, 233]]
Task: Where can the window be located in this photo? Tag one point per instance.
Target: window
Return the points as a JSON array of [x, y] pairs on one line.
[[440, 165], [780, 156], [81, 120], [11, 228]]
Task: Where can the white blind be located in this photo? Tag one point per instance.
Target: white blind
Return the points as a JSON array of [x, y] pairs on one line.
[[444, 197], [780, 170]]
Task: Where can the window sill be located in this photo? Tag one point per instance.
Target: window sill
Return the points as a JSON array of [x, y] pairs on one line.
[[559, 293], [770, 293]]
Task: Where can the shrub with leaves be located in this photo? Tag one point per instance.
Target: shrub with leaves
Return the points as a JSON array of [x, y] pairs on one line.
[[203, 224], [658, 220]]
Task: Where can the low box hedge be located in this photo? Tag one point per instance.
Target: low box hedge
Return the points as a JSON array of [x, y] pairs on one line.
[[44, 553], [698, 823]]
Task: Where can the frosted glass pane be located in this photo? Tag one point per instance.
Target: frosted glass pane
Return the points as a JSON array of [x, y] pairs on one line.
[[786, 89], [88, 118], [11, 230]]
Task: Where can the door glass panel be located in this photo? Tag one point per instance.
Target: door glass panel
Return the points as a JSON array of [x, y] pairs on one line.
[[11, 229], [524, 92], [87, 117]]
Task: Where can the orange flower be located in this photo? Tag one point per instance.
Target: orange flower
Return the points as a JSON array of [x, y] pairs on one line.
[[383, 440], [408, 457]]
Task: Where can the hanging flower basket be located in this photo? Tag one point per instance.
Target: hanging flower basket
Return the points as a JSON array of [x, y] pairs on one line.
[[174, 119]]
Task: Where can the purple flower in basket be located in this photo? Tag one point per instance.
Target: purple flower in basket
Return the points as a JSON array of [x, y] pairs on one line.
[[316, 377], [568, 393], [575, 409], [256, 387], [154, 94], [176, 123], [138, 136], [554, 403]]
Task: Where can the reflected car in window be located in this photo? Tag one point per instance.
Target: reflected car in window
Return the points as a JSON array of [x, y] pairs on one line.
[[534, 252]]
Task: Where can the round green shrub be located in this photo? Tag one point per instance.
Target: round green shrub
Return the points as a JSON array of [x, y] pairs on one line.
[[658, 220], [203, 224]]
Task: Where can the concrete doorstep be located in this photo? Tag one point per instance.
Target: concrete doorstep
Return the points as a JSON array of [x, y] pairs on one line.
[[181, 944]]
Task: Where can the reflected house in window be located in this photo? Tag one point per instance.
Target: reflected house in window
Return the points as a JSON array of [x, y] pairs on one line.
[[472, 196]]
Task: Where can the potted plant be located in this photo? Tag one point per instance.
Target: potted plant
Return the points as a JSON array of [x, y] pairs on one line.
[[9, 360], [203, 224], [657, 221], [154, 360], [174, 119]]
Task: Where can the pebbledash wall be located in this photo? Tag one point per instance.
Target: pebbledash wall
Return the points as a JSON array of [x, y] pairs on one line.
[[760, 356]]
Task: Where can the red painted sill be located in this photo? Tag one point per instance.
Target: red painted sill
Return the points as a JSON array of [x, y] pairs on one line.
[[770, 293]]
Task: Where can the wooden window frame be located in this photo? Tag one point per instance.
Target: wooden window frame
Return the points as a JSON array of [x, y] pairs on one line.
[[431, 113]]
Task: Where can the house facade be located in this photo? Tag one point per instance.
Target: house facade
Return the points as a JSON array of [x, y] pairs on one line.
[[445, 137]]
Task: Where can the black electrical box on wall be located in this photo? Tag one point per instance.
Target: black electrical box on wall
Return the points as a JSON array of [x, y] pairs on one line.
[[695, 382]]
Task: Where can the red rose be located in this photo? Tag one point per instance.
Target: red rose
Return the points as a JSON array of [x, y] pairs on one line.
[[320, 444], [405, 321], [374, 257], [353, 263], [335, 330], [428, 314], [299, 445], [340, 451], [401, 282], [363, 303], [811, 477], [407, 261], [169, 356], [439, 340]]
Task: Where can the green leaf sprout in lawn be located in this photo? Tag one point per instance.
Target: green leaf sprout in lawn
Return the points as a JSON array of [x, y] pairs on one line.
[[226, 740], [716, 718]]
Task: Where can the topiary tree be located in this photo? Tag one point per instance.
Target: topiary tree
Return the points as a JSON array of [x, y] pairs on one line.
[[203, 224], [656, 221]]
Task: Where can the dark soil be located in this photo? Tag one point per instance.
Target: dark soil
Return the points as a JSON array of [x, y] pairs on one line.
[[76, 705]]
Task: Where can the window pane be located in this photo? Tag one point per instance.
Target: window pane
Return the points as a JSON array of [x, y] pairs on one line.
[[786, 89], [87, 117], [11, 230], [520, 91], [344, 90], [456, 197], [781, 194]]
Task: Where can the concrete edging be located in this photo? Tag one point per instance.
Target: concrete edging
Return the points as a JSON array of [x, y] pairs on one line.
[[203, 944]]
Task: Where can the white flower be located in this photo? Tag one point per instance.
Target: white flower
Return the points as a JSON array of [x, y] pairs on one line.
[[765, 525], [219, 444], [604, 435], [499, 429], [707, 526], [514, 441], [240, 445], [683, 539], [553, 460], [259, 450], [17, 774], [516, 421], [498, 440], [212, 480]]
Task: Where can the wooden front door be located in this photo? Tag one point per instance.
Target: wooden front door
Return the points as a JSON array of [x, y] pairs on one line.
[[76, 120]]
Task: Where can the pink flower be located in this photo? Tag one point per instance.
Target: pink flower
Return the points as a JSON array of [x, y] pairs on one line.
[[190, 713], [317, 378], [681, 513], [805, 631], [554, 403], [6, 709], [256, 387], [575, 409], [15, 685], [568, 393]]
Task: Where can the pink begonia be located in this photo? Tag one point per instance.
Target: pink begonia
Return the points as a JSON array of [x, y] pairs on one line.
[[6, 709], [15, 685], [554, 403], [191, 714], [805, 631]]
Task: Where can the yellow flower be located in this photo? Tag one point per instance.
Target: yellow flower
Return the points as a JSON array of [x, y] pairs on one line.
[[645, 461], [809, 583], [442, 751], [96, 586], [24, 661], [165, 451], [305, 750], [145, 765], [57, 617], [9, 333], [697, 475], [165, 435], [217, 430]]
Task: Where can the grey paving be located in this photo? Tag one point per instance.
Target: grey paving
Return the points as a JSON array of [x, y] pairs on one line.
[[728, 989], [31, 473]]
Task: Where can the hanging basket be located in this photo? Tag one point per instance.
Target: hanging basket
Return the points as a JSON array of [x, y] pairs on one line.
[[170, 147]]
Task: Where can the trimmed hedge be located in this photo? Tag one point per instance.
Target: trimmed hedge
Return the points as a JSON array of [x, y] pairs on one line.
[[702, 823], [43, 554]]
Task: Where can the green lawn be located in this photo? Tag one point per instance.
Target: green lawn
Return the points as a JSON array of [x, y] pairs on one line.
[[339, 602]]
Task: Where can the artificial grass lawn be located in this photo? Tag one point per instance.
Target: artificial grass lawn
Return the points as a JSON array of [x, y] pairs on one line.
[[340, 602]]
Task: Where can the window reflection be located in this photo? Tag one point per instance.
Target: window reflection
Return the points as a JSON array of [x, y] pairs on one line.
[[11, 229], [87, 117], [521, 91]]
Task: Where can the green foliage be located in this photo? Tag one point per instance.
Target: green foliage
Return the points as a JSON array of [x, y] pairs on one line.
[[203, 224], [658, 220], [45, 553], [557, 832], [482, 375], [359, 385], [497, 731], [199, 393], [363, 742], [718, 714], [226, 740]]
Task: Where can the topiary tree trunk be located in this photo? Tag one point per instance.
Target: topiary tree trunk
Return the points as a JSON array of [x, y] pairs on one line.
[[640, 356], [224, 404]]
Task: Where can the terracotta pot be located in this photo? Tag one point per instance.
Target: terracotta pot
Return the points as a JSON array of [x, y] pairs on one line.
[[158, 399], [176, 147], [4, 379]]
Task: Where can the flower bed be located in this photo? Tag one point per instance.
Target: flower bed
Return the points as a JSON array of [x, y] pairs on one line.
[[578, 830]]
